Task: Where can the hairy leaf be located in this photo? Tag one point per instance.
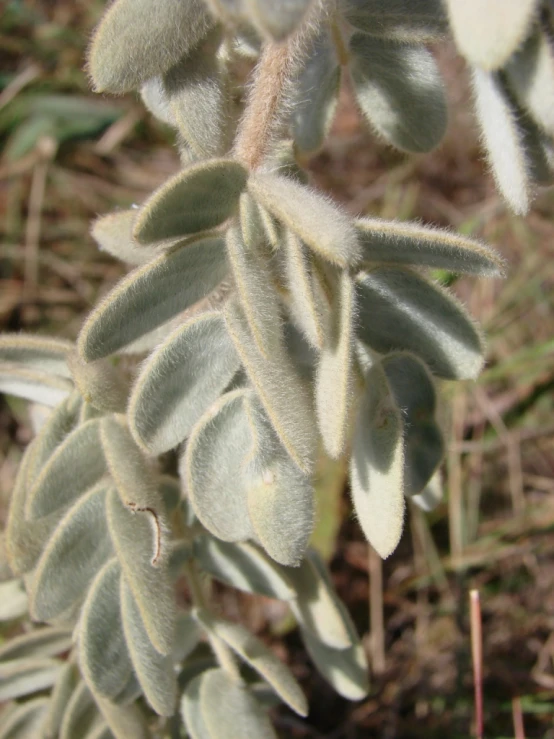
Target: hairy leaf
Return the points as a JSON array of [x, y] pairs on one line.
[[276, 20], [139, 541], [180, 380], [66, 683], [487, 32], [251, 273], [431, 495], [153, 670], [243, 566], [44, 642], [103, 654], [257, 655], [396, 242], [503, 139], [20, 677], [99, 383], [24, 720], [377, 465], [213, 467], [235, 713], [13, 600], [310, 304], [191, 710], [317, 607], [42, 353], [399, 310], [123, 722], [399, 90], [282, 393], [114, 234], [335, 371], [77, 550], [414, 393], [151, 295], [417, 21], [316, 96], [80, 714], [76, 465], [33, 384], [309, 214], [345, 669], [530, 74], [137, 39], [202, 196], [155, 98]]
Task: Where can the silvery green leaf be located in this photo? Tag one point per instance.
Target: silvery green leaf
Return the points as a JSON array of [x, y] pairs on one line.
[[130, 693], [235, 713], [399, 90], [539, 150], [243, 566], [169, 489], [38, 416], [530, 74], [309, 301], [76, 551], [137, 40], [251, 224], [180, 380], [99, 731], [153, 670], [123, 722], [251, 272], [316, 96], [303, 356], [395, 242], [36, 352], [487, 32], [62, 421], [276, 20], [24, 720], [199, 101], [314, 218], [400, 310], [154, 97], [317, 607], [431, 495], [180, 552], [377, 465], [263, 660], [346, 670], [191, 710], [76, 465], [138, 542], [212, 467], [131, 473], [80, 714], [21, 677], [187, 636], [99, 383], [33, 384], [151, 295], [103, 654], [414, 393], [282, 393], [503, 139], [114, 234], [200, 197], [335, 377], [66, 683], [47, 641], [416, 21], [13, 600]]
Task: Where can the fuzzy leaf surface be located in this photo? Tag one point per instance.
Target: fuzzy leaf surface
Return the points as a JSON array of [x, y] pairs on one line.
[[415, 21], [34, 385], [36, 352]]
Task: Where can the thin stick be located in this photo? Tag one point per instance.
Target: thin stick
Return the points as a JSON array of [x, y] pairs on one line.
[[456, 517], [517, 713], [376, 616], [477, 656]]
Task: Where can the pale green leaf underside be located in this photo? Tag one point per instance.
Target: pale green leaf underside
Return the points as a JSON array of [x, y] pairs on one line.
[[24, 720], [33, 384], [345, 670], [21, 677], [137, 40], [114, 234], [399, 310], [395, 242], [377, 465], [191, 710], [151, 295], [47, 641], [13, 600], [399, 89], [201, 197], [42, 353], [277, 20], [180, 380]]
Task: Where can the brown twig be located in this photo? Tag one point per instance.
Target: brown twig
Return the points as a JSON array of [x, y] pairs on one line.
[[477, 657], [517, 714], [376, 615]]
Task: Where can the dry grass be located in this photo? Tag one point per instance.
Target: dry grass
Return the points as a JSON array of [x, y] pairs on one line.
[[493, 533]]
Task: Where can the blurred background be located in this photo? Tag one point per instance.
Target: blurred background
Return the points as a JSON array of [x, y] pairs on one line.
[[67, 156]]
